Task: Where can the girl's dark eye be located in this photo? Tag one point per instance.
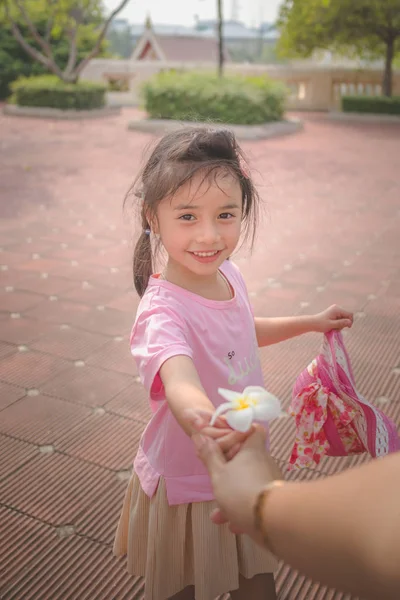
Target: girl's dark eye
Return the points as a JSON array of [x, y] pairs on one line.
[[186, 217], [226, 216]]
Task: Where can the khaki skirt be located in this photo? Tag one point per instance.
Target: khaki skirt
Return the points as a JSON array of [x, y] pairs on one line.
[[176, 546]]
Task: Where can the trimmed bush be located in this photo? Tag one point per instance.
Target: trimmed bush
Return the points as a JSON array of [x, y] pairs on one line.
[[380, 105], [205, 97], [49, 91]]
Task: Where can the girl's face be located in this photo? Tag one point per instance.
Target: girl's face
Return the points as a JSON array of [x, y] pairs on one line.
[[200, 226]]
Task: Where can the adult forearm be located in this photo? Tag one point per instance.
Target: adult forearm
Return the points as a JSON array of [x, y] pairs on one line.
[[343, 530], [275, 330]]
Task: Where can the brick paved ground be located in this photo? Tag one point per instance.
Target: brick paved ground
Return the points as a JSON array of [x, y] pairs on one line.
[[71, 407]]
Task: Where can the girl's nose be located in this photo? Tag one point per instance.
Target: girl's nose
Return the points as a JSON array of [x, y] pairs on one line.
[[209, 234]]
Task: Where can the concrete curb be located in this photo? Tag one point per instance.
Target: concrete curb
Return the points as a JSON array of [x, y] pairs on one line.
[[350, 117], [56, 113], [242, 132]]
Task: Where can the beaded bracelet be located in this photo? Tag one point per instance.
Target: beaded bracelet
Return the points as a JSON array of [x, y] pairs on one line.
[[262, 497]]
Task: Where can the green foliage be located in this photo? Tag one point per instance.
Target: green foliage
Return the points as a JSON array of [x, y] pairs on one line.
[[359, 27], [61, 16], [205, 97], [49, 91], [15, 62], [371, 104], [369, 29]]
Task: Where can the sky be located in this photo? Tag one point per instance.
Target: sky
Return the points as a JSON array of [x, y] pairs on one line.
[[182, 12]]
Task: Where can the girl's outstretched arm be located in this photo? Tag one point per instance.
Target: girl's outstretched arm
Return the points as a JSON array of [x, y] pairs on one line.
[[183, 391]]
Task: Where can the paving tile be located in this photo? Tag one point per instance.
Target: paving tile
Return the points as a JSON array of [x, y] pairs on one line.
[[119, 280], [353, 301], [87, 385], [127, 302], [115, 256], [70, 343], [22, 541], [30, 369], [9, 394], [10, 276], [108, 321], [99, 521], [40, 419], [22, 330], [6, 349], [55, 488], [10, 258], [40, 265], [45, 284], [394, 288], [28, 246], [61, 311], [104, 439], [114, 356], [88, 293], [103, 576], [78, 271], [132, 402], [14, 454], [14, 301]]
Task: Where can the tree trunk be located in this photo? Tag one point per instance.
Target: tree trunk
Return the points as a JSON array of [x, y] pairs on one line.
[[387, 76], [220, 40], [45, 57]]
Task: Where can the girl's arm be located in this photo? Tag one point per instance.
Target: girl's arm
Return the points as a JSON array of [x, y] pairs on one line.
[[274, 330], [183, 391]]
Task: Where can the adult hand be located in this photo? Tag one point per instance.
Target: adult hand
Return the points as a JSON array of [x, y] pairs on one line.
[[236, 483]]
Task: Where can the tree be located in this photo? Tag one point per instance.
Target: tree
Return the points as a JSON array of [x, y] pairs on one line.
[[220, 39], [15, 62], [366, 28], [68, 20]]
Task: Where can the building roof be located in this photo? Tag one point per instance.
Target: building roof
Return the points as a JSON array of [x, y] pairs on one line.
[[180, 48], [137, 30]]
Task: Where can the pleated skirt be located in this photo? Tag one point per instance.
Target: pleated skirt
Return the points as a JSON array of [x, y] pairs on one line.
[[173, 547]]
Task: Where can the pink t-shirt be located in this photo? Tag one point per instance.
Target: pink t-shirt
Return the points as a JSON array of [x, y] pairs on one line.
[[220, 338]]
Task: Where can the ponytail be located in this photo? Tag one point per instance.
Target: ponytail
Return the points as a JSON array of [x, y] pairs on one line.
[[142, 263]]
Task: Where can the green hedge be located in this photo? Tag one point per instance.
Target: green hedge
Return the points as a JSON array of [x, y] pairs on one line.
[[205, 97], [371, 104], [49, 91]]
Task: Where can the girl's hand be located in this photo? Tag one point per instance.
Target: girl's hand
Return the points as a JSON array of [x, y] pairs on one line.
[[333, 317], [229, 441]]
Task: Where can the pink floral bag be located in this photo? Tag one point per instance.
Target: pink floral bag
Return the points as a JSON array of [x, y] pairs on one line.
[[332, 418]]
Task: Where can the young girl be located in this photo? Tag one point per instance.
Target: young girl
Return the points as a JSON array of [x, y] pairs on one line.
[[194, 333]]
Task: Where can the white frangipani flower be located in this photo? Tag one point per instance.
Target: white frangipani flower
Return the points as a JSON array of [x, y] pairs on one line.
[[253, 404]]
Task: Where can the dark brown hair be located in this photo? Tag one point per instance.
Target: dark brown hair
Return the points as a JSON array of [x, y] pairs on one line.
[[177, 157]]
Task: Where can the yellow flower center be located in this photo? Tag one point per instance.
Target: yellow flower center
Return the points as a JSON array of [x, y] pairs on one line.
[[244, 402]]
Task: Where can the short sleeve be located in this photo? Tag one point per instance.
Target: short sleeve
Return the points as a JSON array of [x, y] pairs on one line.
[[158, 334]]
